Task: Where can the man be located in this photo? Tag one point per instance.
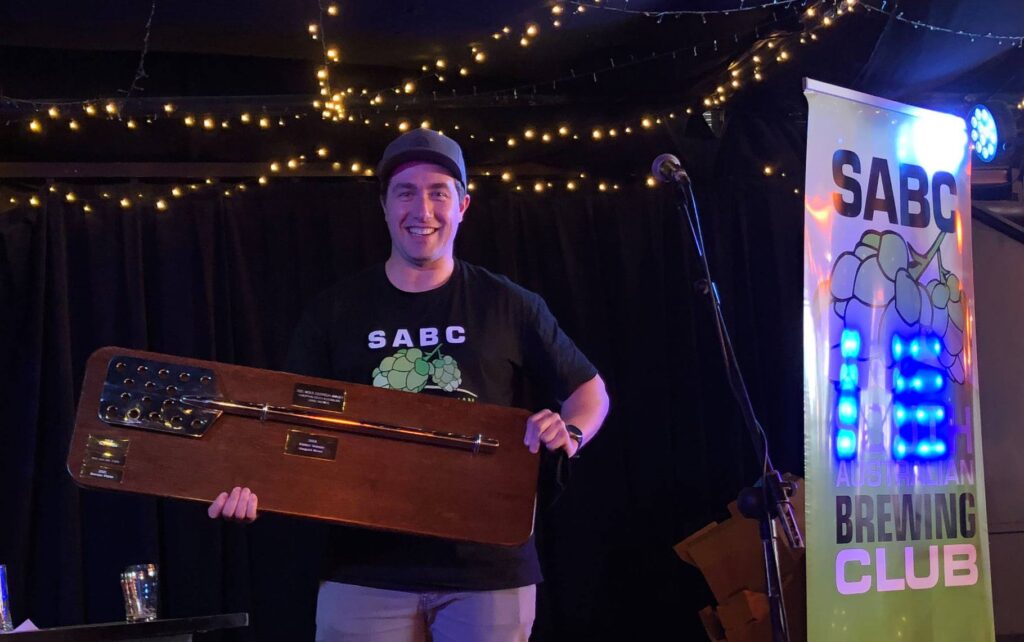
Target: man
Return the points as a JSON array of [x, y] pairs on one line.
[[425, 321]]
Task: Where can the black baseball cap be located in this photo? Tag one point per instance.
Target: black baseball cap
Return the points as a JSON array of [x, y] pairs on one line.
[[423, 145]]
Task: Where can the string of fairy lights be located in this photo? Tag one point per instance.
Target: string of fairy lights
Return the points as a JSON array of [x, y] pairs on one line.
[[575, 182], [332, 103]]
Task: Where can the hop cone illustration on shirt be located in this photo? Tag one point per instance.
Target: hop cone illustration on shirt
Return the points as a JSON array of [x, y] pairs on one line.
[[407, 370], [446, 374], [878, 284]]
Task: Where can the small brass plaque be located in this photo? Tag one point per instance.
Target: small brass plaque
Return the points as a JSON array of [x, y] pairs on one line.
[[310, 396], [105, 450], [101, 471], [307, 444]]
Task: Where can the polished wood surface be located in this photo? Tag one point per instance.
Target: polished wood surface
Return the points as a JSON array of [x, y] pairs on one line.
[[372, 481]]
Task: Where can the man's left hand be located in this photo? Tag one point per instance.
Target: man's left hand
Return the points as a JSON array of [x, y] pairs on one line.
[[547, 427]]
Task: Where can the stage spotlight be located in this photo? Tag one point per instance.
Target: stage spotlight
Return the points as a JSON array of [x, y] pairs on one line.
[[993, 131], [984, 133]]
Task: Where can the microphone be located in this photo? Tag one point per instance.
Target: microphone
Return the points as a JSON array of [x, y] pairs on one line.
[[667, 169]]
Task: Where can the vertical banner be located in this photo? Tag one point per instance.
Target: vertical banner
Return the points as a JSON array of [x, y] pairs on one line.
[[897, 540]]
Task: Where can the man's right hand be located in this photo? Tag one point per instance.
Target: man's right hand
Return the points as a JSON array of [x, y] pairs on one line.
[[238, 506]]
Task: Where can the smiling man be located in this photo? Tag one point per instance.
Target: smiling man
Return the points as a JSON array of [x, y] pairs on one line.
[[425, 322]]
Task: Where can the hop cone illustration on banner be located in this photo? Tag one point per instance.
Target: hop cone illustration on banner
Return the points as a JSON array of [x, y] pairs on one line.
[[877, 288], [409, 369]]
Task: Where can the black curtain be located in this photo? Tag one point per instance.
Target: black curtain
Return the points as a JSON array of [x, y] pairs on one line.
[[225, 279]]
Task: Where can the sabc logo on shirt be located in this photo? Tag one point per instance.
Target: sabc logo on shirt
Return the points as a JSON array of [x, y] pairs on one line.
[[409, 369]]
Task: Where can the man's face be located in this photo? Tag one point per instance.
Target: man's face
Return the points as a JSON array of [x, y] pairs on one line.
[[423, 212]]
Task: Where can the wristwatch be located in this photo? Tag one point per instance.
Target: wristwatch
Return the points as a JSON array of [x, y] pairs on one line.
[[576, 435]]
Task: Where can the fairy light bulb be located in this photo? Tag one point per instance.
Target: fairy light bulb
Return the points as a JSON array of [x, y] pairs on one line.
[[34, 201], [506, 177], [168, 108], [409, 87], [275, 166], [571, 186], [480, 56], [826, 21], [332, 10], [425, 124], [161, 204], [264, 122], [90, 110], [293, 163], [524, 42], [811, 12], [86, 208], [321, 73], [557, 10], [125, 202], [333, 54], [538, 187], [650, 182], [35, 126], [131, 124], [190, 120], [597, 134], [403, 126], [471, 187], [70, 197], [768, 170], [53, 112], [209, 123], [546, 137], [646, 123], [463, 71], [531, 30], [563, 131], [511, 142], [602, 186], [529, 134], [313, 29], [440, 63], [262, 180], [176, 192], [73, 125], [111, 108]]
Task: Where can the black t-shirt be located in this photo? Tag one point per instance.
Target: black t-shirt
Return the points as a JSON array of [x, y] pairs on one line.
[[478, 337]]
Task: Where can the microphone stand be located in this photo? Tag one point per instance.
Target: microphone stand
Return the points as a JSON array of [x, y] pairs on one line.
[[770, 497]]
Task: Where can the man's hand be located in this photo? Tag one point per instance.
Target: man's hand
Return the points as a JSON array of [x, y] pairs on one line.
[[238, 506], [546, 427]]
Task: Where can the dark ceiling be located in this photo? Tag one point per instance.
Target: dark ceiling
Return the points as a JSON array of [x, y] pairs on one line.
[[603, 68]]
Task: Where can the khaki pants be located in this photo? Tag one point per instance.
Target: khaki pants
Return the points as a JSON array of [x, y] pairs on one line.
[[350, 613]]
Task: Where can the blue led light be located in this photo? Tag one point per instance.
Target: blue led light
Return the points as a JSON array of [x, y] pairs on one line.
[[899, 448], [846, 443], [897, 347], [847, 410], [899, 414], [848, 376], [899, 384], [849, 344], [984, 133], [939, 448]]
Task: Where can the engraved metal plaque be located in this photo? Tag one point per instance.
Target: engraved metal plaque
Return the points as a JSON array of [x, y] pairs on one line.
[[307, 444], [310, 396], [106, 450], [97, 470]]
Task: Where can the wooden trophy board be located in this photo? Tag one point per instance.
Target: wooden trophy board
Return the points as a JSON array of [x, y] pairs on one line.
[[341, 474]]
